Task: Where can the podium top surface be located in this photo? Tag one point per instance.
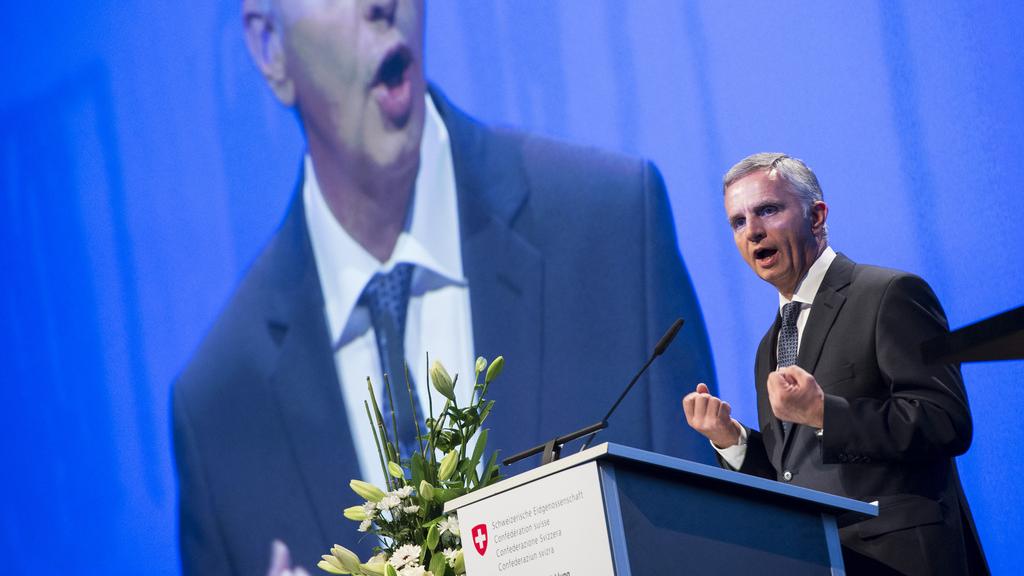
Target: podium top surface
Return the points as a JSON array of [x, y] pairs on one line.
[[1000, 337], [618, 453]]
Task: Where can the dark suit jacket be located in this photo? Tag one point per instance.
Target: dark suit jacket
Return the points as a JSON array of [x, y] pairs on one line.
[[892, 424], [574, 274]]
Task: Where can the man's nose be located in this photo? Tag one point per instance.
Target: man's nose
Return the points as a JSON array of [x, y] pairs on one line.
[[382, 11], [755, 231]]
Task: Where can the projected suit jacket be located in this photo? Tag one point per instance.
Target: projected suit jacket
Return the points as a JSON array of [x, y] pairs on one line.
[[574, 274], [892, 424]]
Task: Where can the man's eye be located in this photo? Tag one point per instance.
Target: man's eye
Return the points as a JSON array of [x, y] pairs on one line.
[[769, 210], [738, 223]]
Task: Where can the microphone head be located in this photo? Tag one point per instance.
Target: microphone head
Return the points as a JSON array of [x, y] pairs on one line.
[[668, 337]]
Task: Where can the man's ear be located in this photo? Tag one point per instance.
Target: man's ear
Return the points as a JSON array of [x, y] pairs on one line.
[[263, 38], [819, 216]]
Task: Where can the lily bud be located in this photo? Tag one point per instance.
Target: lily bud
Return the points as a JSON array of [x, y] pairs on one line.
[[481, 364], [442, 381], [395, 470], [366, 490], [426, 490], [357, 513], [349, 560], [374, 566], [495, 368], [448, 464], [331, 564]]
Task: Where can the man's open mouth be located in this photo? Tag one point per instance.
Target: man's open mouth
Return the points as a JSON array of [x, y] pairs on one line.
[[762, 254]]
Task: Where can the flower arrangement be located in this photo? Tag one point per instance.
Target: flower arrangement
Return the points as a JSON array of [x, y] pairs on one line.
[[415, 537]]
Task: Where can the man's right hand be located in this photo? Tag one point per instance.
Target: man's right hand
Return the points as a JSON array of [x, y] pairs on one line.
[[711, 417]]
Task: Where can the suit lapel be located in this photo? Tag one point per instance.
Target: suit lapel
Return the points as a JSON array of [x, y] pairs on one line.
[[826, 306], [504, 270], [766, 361], [824, 310], [304, 379]]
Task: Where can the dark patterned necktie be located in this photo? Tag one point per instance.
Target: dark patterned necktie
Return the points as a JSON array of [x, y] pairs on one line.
[[789, 342], [387, 297]]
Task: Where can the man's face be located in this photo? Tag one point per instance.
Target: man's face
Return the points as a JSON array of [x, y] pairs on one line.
[[771, 231], [357, 71]]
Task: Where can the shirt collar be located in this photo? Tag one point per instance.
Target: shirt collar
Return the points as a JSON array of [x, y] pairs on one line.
[[808, 286], [430, 241]]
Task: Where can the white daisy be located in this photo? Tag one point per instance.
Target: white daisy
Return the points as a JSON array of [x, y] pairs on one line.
[[407, 555], [390, 501], [449, 555], [450, 525]]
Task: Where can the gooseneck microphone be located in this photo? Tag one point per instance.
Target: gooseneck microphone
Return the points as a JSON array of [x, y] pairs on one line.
[[552, 448]]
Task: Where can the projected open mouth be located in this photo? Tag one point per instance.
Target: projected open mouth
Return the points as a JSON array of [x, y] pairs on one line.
[[392, 85]]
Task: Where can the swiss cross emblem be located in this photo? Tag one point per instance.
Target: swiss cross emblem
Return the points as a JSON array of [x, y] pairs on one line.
[[479, 533]]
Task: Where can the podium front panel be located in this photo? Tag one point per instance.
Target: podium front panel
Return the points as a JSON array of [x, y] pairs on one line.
[[555, 525], [663, 525]]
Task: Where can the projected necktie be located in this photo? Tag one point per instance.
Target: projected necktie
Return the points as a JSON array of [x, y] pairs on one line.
[[387, 297], [789, 342]]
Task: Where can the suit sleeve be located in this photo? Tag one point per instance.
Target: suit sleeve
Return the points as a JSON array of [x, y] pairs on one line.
[[920, 412], [201, 546], [755, 462], [670, 295]]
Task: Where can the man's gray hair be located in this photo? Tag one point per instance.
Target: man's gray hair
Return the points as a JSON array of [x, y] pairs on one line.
[[792, 170]]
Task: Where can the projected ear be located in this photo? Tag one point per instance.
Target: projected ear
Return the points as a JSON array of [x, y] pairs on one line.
[[263, 38]]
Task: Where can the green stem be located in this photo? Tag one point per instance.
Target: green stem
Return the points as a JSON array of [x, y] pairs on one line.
[[376, 444]]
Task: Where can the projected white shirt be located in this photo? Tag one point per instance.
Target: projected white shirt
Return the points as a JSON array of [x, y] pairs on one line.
[[439, 320]]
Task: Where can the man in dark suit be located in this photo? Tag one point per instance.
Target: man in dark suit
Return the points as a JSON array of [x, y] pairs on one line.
[[845, 403], [562, 259]]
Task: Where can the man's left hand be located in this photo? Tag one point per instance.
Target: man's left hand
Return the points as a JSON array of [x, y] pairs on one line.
[[796, 397]]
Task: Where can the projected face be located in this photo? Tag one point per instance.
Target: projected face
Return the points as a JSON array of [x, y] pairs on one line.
[[354, 69], [771, 230]]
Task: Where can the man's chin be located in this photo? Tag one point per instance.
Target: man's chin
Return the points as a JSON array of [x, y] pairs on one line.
[[394, 159]]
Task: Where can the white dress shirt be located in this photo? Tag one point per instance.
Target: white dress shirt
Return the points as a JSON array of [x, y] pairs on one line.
[[804, 294], [438, 319]]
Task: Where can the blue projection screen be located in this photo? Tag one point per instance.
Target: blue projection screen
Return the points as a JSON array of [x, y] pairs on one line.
[[143, 163]]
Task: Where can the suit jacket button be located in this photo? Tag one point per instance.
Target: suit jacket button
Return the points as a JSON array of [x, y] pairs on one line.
[[787, 475]]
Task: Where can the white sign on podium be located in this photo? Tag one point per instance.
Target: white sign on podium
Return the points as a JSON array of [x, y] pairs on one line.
[[554, 526]]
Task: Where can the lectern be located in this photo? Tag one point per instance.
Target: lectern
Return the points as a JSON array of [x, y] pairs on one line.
[[615, 510]]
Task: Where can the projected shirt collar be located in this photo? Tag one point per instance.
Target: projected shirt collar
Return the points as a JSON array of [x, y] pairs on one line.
[[430, 240]]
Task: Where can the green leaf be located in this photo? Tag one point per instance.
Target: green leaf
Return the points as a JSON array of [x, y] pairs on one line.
[[389, 570], [438, 564], [445, 494], [478, 450], [491, 470], [460, 562], [418, 468], [486, 410], [432, 538]]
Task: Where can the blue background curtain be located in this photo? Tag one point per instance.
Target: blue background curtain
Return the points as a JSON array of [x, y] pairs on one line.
[[143, 163]]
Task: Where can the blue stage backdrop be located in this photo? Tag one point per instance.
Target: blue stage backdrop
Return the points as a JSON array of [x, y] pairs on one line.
[[143, 163]]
